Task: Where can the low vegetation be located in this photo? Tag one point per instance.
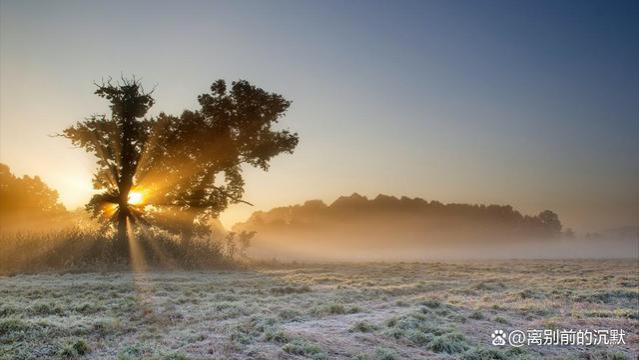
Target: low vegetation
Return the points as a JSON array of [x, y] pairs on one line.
[[91, 248], [337, 311]]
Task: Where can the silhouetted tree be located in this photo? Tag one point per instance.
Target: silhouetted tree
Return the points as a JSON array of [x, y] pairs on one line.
[[416, 214], [187, 168]]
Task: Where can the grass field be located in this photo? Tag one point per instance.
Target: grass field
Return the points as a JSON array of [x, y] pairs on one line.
[[328, 311]]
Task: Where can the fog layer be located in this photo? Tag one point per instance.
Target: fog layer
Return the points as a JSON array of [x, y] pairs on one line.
[[389, 228]]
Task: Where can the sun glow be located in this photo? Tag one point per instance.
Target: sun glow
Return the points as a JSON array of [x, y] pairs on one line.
[[135, 198]]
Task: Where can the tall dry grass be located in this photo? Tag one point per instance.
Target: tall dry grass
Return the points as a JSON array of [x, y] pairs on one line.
[[88, 248]]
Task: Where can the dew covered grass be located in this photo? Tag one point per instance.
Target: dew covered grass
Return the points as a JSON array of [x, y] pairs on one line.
[[320, 311]]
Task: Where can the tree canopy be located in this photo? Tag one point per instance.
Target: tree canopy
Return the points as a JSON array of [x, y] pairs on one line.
[[177, 172], [417, 214], [25, 199]]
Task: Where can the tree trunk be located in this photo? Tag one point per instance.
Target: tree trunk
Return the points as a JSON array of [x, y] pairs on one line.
[[127, 160], [122, 242]]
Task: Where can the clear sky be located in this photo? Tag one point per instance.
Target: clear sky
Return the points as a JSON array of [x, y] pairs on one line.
[[529, 103]]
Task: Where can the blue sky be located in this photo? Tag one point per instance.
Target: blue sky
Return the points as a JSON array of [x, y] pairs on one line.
[[529, 103]]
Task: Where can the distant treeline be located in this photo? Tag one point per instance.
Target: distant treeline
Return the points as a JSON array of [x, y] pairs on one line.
[[387, 227], [27, 201], [431, 214]]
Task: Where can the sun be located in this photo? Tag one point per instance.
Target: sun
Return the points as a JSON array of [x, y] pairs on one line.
[[135, 198]]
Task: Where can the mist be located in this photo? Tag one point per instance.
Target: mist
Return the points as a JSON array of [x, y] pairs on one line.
[[347, 247], [402, 229]]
